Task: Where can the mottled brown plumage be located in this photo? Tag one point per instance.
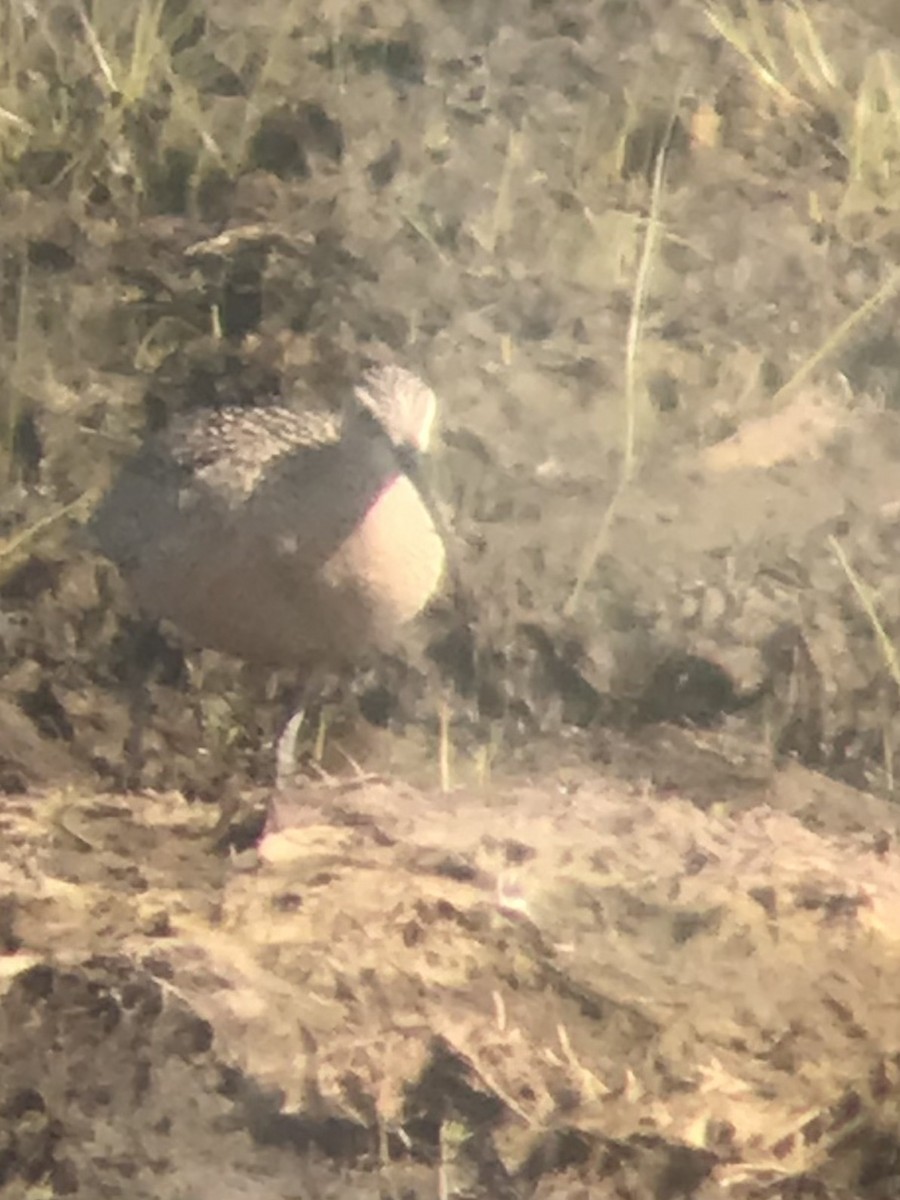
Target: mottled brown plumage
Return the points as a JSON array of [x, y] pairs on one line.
[[287, 539]]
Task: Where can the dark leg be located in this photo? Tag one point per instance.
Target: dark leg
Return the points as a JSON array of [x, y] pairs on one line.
[[144, 656]]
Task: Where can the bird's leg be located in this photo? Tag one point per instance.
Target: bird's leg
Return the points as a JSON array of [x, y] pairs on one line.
[[139, 709], [310, 689], [286, 745], [286, 754], [144, 657], [286, 749]]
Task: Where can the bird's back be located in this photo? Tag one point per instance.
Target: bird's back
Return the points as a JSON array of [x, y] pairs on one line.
[[276, 536]]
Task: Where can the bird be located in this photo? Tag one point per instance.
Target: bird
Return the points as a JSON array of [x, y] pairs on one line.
[[280, 537]]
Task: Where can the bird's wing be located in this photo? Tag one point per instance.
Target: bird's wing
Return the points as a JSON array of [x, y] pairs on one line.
[[234, 447]]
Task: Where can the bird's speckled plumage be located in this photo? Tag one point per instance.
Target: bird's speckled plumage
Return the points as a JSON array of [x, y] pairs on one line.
[[283, 538]]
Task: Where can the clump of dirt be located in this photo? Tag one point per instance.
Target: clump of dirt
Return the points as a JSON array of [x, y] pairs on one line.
[[645, 254], [522, 992]]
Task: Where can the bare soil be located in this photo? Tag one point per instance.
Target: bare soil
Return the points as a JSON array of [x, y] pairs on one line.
[[640, 943]]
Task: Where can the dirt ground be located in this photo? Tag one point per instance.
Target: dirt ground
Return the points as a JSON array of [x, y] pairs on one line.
[[595, 897]]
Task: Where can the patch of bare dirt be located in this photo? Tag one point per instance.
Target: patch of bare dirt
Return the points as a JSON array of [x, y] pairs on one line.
[[646, 255], [525, 991]]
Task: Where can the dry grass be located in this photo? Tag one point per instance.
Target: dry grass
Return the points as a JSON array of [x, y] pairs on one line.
[[801, 64], [134, 96], [634, 399], [541, 255]]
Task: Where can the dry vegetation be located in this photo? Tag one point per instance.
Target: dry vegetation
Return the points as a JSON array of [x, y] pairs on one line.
[[644, 252], [648, 254]]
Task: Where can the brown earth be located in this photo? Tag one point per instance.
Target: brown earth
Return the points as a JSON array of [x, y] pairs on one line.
[[640, 943], [582, 989]]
